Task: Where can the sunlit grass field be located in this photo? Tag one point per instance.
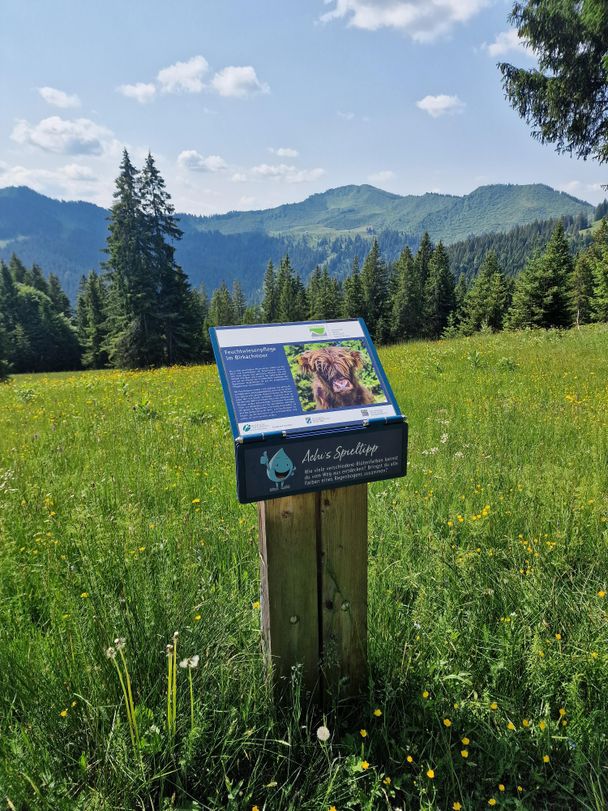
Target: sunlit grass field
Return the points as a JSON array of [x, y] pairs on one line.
[[487, 605]]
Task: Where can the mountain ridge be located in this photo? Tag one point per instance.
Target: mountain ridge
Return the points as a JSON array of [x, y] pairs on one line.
[[330, 227]]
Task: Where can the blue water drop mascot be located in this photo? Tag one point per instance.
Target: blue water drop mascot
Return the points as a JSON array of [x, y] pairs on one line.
[[278, 469]]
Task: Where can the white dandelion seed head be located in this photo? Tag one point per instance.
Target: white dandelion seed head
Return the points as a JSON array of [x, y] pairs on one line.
[[184, 663], [323, 733], [111, 652], [175, 634], [169, 649], [120, 643], [193, 661]]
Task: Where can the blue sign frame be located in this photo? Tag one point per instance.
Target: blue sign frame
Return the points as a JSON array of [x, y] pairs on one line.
[[310, 457]]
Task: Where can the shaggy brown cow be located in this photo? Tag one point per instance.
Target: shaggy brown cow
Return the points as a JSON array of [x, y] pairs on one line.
[[334, 377]]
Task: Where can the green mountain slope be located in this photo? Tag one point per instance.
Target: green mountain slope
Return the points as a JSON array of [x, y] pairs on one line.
[[67, 238]]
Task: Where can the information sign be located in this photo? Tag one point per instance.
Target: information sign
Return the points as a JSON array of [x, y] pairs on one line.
[[310, 407]]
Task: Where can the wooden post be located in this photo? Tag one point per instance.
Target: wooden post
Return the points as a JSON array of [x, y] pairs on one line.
[[343, 565], [313, 555], [290, 611]]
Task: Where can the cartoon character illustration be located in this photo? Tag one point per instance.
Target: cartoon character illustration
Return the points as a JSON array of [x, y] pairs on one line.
[[279, 468]]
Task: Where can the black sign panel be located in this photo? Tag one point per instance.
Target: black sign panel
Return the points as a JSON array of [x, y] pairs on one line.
[[289, 465]]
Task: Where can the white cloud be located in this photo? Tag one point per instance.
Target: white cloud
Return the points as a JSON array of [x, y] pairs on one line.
[[143, 92], [345, 116], [57, 98], [508, 42], [239, 177], [578, 188], [195, 162], [440, 105], [290, 174], [284, 152], [246, 201], [382, 176], [72, 180], [238, 82], [184, 77], [79, 136], [422, 20]]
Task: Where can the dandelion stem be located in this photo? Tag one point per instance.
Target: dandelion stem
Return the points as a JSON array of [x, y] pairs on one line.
[[131, 703], [126, 695], [174, 683], [191, 698], [169, 685]]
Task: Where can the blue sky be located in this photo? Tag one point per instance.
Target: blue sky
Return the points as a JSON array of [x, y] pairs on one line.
[[252, 104]]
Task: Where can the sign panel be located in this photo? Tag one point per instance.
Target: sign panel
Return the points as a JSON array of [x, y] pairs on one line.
[[307, 379], [291, 465]]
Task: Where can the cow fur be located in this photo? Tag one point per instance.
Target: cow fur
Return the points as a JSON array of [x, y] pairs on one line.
[[333, 370]]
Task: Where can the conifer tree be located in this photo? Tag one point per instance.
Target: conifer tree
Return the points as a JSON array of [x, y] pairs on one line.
[[269, 296], [291, 295], [35, 278], [314, 295], [92, 322], [177, 312], [407, 301], [55, 292], [581, 288], [135, 338], [352, 302], [486, 302], [599, 258], [541, 297], [221, 310], [4, 353], [439, 299], [239, 303], [374, 290]]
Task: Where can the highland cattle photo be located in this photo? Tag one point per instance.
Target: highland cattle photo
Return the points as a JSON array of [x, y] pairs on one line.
[[334, 375]]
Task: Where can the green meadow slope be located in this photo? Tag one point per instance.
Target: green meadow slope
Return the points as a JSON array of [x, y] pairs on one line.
[[487, 594]]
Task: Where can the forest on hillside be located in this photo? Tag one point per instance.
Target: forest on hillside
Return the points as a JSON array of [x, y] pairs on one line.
[[141, 311]]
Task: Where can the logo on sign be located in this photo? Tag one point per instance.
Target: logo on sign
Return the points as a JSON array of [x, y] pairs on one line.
[[246, 428], [279, 468], [317, 330]]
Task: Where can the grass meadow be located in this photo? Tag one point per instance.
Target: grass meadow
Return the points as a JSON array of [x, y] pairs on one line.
[[488, 611]]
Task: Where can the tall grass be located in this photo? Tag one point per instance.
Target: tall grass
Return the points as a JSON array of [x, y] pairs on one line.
[[487, 605]]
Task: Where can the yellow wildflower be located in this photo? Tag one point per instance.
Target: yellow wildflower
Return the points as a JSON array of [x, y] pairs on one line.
[[546, 758], [364, 764], [64, 712], [430, 774], [377, 712], [363, 733], [511, 726], [464, 753], [466, 741], [447, 722]]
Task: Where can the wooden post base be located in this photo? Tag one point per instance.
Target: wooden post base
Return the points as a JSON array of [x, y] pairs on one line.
[[313, 551]]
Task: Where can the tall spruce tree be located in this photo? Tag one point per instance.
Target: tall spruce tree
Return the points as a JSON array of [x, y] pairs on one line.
[[487, 299], [291, 295], [314, 295], [269, 295], [581, 288], [239, 304], [92, 322], [541, 297], [4, 354], [135, 331], [176, 310], [374, 290], [352, 300], [221, 309], [56, 294], [439, 299], [407, 301], [599, 259]]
